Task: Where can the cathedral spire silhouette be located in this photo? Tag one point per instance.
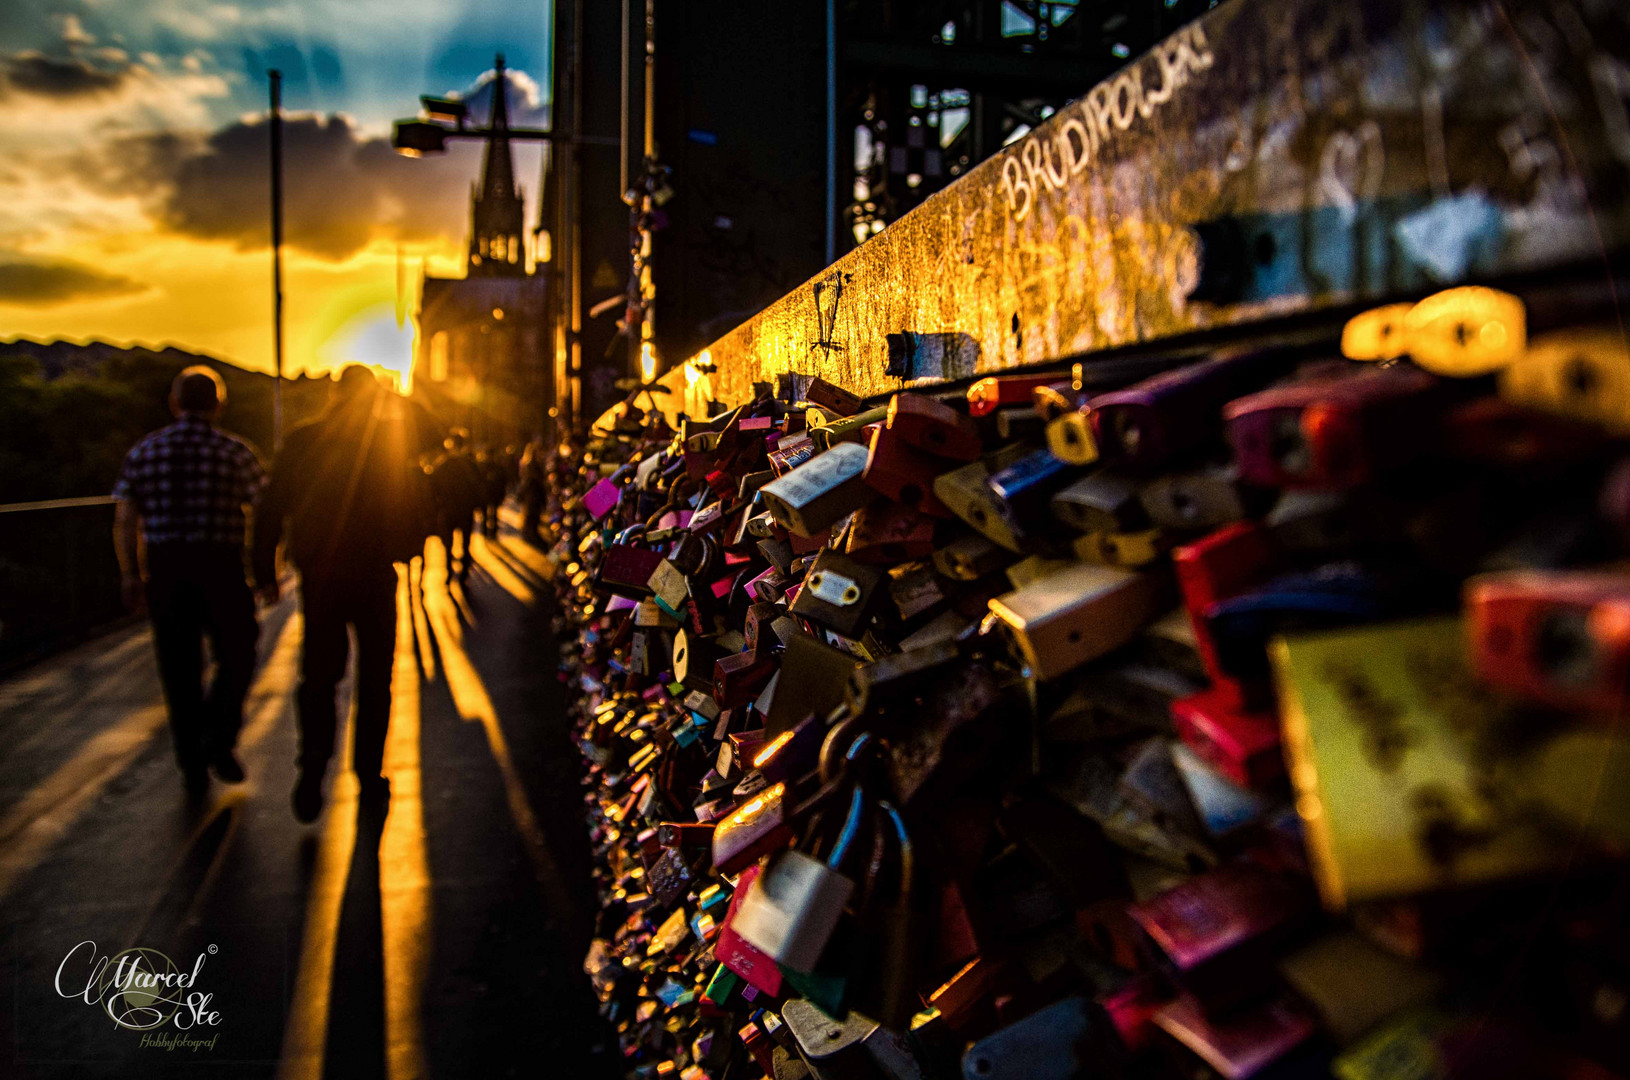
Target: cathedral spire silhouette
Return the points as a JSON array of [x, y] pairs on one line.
[[497, 208]]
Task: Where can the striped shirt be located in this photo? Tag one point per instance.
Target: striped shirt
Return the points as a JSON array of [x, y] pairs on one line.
[[190, 482]]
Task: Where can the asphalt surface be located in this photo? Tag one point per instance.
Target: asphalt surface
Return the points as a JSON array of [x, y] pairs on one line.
[[444, 938]]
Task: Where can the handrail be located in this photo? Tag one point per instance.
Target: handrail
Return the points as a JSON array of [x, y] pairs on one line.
[[1270, 159]]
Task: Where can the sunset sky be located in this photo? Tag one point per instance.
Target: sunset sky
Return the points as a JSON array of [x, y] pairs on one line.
[[133, 166]]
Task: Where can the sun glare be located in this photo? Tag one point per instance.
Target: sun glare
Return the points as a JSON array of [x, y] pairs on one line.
[[373, 337]]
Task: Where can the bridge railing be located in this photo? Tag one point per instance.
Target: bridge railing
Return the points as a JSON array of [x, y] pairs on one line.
[[1269, 161], [59, 579]]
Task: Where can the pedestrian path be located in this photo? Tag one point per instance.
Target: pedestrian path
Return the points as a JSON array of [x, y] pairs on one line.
[[445, 940]]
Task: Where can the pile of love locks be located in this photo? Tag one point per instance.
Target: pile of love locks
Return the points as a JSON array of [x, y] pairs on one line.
[[1254, 712]]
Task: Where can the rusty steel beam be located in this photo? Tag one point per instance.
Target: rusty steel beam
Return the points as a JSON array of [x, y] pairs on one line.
[[1275, 157]]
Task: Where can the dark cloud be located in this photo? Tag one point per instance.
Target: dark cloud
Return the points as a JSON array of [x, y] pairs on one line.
[[44, 76], [27, 282], [342, 188]]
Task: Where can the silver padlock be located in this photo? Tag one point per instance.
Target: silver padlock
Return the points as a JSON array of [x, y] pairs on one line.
[[793, 906]]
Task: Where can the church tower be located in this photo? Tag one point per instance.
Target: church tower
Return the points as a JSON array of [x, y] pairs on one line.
[[497, 210]]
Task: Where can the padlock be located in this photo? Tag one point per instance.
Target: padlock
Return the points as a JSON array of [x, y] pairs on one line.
[[1582, 373], [989, 394], [1154, 421], [601, 499], [833, 398], [969, 557], [794, 904], [741, 677], [915, 588], [1497, 432], [790, 454], [693, 659], [1065, 1040], [1025, 487], [736, 753], [904, 474], [736, 954], [1019, 422], [839, 594], [794, 752], [758, 630], [1556, 637], [1064, 620], [932, 427], [626, 569], [1214, 568], [758, 827], [778, 553], [1242, 1044], [1225, 808], [893, 936], [1129, 549], [1205, 498], [1353, 985], [967, 492], [1055, 399], [1071, 438], [808, 499], [812, 681], [1218, 932], [848, 429], [1105, 501], [1241, 744], [886, 533], [1338, 431], [1377, 334], [869, 685], [854, 1048], [1152, 784], [1466, 331], [671, 588]]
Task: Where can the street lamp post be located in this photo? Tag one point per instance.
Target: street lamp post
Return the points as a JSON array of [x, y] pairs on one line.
[[276, 125]]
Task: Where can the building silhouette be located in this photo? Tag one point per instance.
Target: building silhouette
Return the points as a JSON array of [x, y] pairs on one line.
[[484, 351]]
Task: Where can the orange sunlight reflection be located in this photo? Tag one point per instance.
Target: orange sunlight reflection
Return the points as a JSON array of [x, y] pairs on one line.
[[373, 337]]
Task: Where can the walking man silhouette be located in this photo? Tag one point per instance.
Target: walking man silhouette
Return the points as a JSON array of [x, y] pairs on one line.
[[347, 491], [182, 491]]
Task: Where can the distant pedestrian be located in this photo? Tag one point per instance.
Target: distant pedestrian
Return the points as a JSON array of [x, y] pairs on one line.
[[182, 491], [349, 494], [460, 491], [494, 485], [532, 489]]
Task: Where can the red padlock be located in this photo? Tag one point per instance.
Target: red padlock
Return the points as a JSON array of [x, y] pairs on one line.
[[932, 427], [1243, 745], [1214, 568], [1557, 637], [988, 395], [904, 473]]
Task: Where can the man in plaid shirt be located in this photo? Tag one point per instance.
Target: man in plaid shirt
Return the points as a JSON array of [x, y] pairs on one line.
[[183, 488]]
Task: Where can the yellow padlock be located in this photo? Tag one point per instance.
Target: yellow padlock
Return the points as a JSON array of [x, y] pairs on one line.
[[1377, 334], [1467, 331], [1128, 549], [1582, 373]]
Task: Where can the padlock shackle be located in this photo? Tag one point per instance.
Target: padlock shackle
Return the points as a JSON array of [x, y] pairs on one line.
[[851, 829], [908, 856]]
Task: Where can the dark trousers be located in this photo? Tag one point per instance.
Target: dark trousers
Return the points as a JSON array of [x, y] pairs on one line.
[[366, 602], [464, 526], [196, 591]]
